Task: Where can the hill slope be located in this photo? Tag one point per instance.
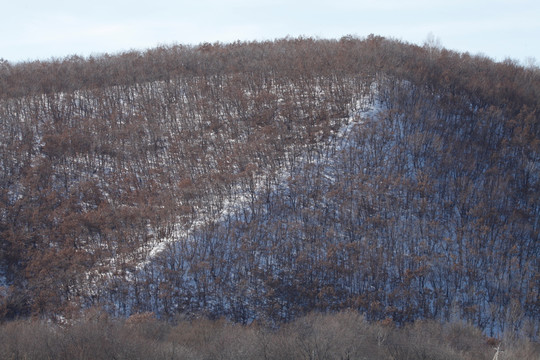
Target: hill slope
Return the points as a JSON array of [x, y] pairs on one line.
[[266, 180]]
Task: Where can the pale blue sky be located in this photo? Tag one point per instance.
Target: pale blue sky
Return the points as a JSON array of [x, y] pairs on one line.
[[32, 29]]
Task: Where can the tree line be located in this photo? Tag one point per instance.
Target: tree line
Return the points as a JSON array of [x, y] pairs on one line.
[[342, 335]]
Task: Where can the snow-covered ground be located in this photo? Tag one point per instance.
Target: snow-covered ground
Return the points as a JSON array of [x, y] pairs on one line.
[[367, 106]]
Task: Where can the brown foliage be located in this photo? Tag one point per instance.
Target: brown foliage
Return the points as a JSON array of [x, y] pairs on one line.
[[344, 335], [424, 210]]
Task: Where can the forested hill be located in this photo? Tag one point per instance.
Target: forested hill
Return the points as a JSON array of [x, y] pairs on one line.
[[265, 180]]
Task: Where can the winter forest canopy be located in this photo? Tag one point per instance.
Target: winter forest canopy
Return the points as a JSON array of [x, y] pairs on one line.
[[266, 180]]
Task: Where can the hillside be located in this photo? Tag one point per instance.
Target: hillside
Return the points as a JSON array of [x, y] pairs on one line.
[[267, 180]]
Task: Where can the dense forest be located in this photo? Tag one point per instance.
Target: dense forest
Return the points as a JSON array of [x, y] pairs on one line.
[[262, 181]]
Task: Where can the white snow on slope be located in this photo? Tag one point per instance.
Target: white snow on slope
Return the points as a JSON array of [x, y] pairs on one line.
[[367, 106]]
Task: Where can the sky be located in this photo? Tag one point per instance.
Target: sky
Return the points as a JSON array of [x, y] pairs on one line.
[[42, 30]]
